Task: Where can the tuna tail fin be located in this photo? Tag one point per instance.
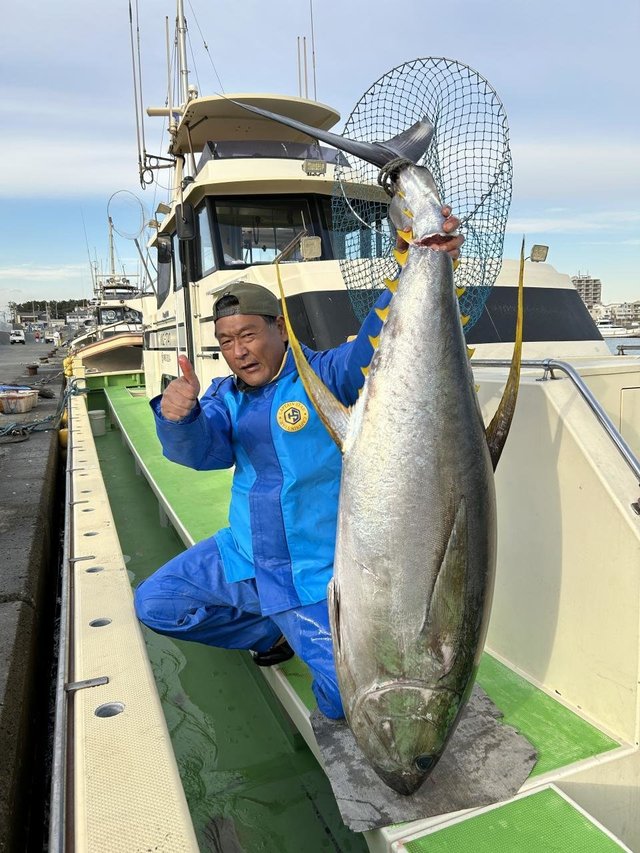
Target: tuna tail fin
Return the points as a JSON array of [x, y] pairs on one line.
[[498, 429], [333, 414], [411, 144]]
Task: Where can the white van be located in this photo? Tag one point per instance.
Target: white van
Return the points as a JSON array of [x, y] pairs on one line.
[[16, 336]]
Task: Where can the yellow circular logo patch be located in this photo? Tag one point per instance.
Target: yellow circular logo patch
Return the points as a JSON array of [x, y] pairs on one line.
[[292, 416]]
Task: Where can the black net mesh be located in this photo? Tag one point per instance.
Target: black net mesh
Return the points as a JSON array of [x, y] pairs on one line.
[[470, 161]]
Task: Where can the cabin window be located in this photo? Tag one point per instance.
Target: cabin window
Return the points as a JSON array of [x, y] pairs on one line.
[[358, 229], [207, 261], [255, 231]]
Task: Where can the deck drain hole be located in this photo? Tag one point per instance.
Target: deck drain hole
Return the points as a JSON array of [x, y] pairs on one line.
[[88, 510], [85, 491], [109, 709], [99, 623], [91, 533], [94, 569]]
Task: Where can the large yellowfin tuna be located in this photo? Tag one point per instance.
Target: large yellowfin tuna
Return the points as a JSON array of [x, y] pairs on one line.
[[416, 546]]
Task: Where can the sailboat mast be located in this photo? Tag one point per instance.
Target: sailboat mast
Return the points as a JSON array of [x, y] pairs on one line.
[[112, 257], [181, 31]]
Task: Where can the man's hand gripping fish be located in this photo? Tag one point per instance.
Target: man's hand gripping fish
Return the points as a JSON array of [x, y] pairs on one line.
[[416, 545]]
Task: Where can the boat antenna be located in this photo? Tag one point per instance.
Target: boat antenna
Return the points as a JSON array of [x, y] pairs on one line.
[[86, 240], [172, 120], [313, 52], [206, 47], [181, 35], [137, 90], [112, 258]]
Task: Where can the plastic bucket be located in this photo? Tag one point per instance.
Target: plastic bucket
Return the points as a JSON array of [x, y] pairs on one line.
[[97, 419]]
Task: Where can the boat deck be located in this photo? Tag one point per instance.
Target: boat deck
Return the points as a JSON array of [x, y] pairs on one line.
[[196, 505]]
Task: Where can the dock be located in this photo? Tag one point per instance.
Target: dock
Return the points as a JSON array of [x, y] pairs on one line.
[[28, 576]]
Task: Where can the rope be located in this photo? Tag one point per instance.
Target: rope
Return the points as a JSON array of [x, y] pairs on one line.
[[23, 430]]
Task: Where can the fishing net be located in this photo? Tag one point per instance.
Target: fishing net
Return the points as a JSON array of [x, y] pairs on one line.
[[469, 159]]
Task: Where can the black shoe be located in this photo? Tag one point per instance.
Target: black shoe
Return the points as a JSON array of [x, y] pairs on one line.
[[279, 653]]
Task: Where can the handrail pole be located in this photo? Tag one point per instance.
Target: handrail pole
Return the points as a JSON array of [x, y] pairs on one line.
[[551, 364]]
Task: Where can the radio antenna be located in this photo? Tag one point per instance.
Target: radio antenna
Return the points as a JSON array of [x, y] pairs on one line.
[[313, 53]]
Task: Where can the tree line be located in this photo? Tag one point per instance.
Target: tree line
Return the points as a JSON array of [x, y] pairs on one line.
[[58, 308]]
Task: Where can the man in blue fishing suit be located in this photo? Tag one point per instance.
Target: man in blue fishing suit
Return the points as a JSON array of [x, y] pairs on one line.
[[261, 583]]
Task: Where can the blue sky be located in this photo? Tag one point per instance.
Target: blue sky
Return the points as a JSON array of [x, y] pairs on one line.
[[566, 72]]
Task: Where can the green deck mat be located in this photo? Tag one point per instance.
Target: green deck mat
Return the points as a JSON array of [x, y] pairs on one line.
[[560, 736], [200, 500], [540, 823]]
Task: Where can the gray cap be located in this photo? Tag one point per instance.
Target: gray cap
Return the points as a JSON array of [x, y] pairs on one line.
[[252, 299]]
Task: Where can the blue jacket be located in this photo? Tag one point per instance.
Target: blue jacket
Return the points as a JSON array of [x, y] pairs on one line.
[[284, 496]]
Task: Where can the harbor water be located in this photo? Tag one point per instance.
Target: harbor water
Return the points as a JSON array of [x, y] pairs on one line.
[[632, 345]]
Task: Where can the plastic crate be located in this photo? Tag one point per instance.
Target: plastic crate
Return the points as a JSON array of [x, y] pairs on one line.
[[17, 402]]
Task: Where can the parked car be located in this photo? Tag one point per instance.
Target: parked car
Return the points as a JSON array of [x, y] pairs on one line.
[[48, 337], [16, 336]]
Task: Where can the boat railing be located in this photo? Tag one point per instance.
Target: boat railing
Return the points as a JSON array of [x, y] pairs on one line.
[[622, 348], [549, 365]]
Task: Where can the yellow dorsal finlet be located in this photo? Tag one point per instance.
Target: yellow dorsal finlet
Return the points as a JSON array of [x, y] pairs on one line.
[[364, 371], [333, 414], [464, 319], [401, 257], [407, 235], [383, 313], [375, 342], [408, 213], [391, 284], [470, 352], [460, 291]]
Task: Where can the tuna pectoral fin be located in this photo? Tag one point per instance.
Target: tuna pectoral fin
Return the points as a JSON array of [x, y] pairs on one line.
[[444, 623], [332, 413], [498, 429]]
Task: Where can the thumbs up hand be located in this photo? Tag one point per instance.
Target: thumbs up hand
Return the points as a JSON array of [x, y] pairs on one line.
[[180, 396]]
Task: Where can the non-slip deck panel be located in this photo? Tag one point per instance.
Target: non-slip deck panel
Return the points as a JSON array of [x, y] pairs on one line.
[[543, 822], [120, 746]]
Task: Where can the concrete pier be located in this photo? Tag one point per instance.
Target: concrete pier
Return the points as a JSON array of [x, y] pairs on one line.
[[28, 574]]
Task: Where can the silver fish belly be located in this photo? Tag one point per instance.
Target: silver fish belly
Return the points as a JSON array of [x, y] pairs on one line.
[[415, 553]]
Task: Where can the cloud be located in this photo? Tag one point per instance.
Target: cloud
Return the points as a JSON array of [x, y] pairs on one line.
[[40, 274], [570, 169], [69, 169], [566, 222]]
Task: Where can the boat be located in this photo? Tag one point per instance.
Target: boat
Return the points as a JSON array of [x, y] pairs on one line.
[[561, 660], [608, 329], [113, 342]]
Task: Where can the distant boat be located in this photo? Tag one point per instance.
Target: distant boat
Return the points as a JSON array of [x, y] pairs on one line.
[[607, 329]]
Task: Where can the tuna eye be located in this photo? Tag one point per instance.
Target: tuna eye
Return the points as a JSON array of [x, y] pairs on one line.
[[424, 763]]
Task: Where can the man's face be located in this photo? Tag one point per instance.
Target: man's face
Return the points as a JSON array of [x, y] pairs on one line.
[[252, 348]]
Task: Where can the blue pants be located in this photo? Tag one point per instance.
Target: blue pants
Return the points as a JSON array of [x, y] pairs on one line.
[[189, 598]]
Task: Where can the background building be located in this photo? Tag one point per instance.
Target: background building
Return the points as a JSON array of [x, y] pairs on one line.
[[590, 289]]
